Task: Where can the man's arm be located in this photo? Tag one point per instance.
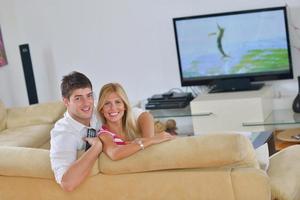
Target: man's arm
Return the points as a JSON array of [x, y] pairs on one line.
[[146, 124], [68, 171], [80, 169]]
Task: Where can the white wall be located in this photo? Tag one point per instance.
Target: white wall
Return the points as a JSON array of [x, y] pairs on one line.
[[128, 41]]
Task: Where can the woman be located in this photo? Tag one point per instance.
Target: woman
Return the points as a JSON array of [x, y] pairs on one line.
[[119, 134]]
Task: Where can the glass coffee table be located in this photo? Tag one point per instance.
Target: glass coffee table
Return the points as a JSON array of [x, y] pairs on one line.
[[185, 127], [281, 122], [260, 138]]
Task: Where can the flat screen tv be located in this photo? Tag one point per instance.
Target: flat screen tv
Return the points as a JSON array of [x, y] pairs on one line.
[[229, 51]]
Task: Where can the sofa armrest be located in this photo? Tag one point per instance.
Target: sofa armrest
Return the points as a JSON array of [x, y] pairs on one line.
[[206, 151], [3, 113], [43, 113]]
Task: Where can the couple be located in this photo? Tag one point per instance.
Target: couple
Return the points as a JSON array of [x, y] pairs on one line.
[[124, 130]]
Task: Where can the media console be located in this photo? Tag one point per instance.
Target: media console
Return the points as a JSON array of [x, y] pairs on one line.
[[231, 109]]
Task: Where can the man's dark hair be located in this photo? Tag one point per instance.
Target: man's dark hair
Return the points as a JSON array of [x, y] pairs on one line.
[[73, 81]]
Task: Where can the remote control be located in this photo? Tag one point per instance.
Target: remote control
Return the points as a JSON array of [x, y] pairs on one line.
[[297, 137], [90, 133]]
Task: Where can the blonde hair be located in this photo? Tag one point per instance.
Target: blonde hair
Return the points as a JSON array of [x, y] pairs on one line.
[[128, 123]]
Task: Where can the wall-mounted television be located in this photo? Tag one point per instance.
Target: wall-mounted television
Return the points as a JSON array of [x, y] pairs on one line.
[[229, 51]]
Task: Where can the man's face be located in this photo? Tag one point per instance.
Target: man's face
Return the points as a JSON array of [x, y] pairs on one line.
[[80, 105]]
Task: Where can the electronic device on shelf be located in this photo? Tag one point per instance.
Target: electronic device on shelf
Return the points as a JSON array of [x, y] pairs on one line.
[[229, 51], [169, 100]]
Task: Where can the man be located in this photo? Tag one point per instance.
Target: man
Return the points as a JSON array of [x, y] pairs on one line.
[[69, 133]]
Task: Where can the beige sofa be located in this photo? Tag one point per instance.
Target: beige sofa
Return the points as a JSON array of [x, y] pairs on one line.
[[29, 126], [204, 167], [284, 173]]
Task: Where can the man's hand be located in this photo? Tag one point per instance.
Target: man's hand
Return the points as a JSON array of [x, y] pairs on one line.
[[95, 142]]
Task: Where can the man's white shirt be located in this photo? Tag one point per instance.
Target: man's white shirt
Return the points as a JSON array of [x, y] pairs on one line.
[[67, 138]]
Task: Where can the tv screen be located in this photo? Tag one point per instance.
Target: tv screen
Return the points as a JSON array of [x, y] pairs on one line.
[[251, 45]]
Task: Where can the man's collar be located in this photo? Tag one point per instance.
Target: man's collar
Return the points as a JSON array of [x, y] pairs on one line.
[[77, 125]]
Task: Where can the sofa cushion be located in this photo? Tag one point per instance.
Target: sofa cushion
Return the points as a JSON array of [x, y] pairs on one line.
[[29, 162], [2, 116], [284, 173], [44, 113], [26, 162], [213, 150], [250, 184], [27, 136]]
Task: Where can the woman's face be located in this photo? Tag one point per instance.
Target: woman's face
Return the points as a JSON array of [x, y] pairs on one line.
[[113, 108]]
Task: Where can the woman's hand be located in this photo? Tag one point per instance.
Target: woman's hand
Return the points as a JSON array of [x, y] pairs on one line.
[[162, 137], [156, 139]]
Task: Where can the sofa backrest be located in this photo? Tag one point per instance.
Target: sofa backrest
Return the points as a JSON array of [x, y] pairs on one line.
[[30, 162], [206, 151], [211, 151], [2, 116], [43, 113]]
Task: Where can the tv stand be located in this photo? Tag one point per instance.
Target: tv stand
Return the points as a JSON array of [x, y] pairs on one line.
[[230, 110], [235, 85]]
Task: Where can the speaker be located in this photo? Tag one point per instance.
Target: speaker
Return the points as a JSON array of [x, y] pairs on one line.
[[28, 73]]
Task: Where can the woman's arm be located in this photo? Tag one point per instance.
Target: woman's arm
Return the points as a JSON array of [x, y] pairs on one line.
[[146, 124], [117, 152]]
